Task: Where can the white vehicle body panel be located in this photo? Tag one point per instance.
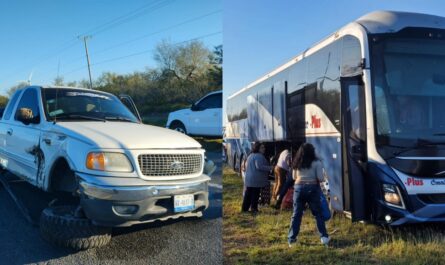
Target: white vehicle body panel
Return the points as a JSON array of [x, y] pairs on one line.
[[207, 122], [73, 140]]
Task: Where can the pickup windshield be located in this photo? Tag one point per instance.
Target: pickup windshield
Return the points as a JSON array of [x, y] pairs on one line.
[[83, 105]]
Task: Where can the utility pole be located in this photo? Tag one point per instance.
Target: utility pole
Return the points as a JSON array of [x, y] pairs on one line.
[[88, 58]]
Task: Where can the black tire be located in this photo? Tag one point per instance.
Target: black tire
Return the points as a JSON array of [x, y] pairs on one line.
[[59, 226], [178, 126]]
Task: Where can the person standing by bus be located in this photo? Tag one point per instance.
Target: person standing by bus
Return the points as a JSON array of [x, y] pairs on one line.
[[280, 171], [257, 172], [307, 170]]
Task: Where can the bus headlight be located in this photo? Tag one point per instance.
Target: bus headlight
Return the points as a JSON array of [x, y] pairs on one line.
[[113, 162], [391, 195]]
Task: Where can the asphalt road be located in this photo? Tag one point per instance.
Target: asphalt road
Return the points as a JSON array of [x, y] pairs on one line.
[[183, 241]]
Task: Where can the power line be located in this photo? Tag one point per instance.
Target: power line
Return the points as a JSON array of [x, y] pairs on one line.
[[149, 34], [152, 6], [141, 52], [42, 59], [150, 50]]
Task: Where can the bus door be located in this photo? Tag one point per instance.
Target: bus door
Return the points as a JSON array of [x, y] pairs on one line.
[[354, 147]]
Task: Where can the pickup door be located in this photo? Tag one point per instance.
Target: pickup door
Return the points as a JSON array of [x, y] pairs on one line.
[[23, 135]]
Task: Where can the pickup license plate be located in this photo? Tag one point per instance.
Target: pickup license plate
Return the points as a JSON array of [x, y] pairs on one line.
[[184, 202]]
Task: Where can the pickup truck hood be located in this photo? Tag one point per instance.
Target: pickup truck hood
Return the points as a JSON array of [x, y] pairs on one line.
[[126, 135]]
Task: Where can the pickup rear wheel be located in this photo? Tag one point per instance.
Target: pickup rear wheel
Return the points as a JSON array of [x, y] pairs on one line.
[[60, 226], [178, 126]]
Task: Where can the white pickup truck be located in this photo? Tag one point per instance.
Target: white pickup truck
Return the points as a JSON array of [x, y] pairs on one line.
[[88, 145], [203, 118]]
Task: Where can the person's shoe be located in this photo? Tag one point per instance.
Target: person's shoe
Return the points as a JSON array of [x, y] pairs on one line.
[[277, 205], [292, 243], [325, 240]]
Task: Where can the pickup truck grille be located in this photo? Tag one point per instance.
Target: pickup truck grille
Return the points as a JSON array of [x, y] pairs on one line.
[[158, 165]]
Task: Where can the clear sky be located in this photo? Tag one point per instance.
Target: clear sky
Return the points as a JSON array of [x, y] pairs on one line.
[[260, 35], [37, 35]]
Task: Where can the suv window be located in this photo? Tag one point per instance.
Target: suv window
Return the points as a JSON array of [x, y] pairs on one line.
[[29, 102], [211, 102], [11, 105]]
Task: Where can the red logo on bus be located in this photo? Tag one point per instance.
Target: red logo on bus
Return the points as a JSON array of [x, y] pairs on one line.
[[414, 182], [315, 122]]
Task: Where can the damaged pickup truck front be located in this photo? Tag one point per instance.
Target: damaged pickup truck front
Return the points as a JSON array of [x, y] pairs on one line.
[[103, 165]]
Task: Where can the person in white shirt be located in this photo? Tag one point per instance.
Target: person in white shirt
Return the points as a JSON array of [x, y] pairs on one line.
[[280, 171]]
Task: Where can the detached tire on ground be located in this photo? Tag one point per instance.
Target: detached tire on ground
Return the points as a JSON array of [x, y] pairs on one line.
[[59, 226]]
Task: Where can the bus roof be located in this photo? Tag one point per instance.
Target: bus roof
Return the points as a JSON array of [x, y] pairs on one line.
[[374, 22]]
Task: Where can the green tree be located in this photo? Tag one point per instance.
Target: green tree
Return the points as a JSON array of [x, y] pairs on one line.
[[12, 89], [58, 81], [184, 73], [183, 61], [3, 101], [215, 72]]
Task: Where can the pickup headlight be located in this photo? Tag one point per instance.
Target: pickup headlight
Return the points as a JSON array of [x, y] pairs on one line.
[[115, 162], [391, 195]]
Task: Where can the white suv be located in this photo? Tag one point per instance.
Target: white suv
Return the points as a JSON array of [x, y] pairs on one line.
[[86, 145], [203, 118]]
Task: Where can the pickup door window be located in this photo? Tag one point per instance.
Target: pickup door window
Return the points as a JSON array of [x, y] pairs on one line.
[[206, 117], [22, 137], [11, 105]]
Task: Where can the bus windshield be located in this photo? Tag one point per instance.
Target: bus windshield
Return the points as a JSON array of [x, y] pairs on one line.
[[408, 75]]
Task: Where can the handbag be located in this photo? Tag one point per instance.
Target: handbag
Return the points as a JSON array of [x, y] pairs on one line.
[[288, 200], [265, 195]]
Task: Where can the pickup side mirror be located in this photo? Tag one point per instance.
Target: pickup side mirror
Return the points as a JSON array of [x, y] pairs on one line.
[[26, 116], [194, 107]]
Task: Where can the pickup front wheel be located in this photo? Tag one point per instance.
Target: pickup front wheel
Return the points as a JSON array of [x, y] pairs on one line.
[[60, 226], [178, 126]]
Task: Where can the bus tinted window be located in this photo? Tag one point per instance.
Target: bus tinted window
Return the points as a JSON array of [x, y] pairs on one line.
[[324, 81], [351, 57]]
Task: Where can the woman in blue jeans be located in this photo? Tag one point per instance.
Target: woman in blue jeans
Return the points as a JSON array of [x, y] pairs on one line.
[[307, 171]]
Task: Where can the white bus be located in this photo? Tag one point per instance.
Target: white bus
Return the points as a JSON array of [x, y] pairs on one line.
[[371, 99]]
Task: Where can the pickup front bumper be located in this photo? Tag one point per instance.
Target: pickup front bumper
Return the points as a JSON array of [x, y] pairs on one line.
[[116, 205]]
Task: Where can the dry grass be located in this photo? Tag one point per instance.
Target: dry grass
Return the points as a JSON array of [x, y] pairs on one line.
[[262, 239]]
